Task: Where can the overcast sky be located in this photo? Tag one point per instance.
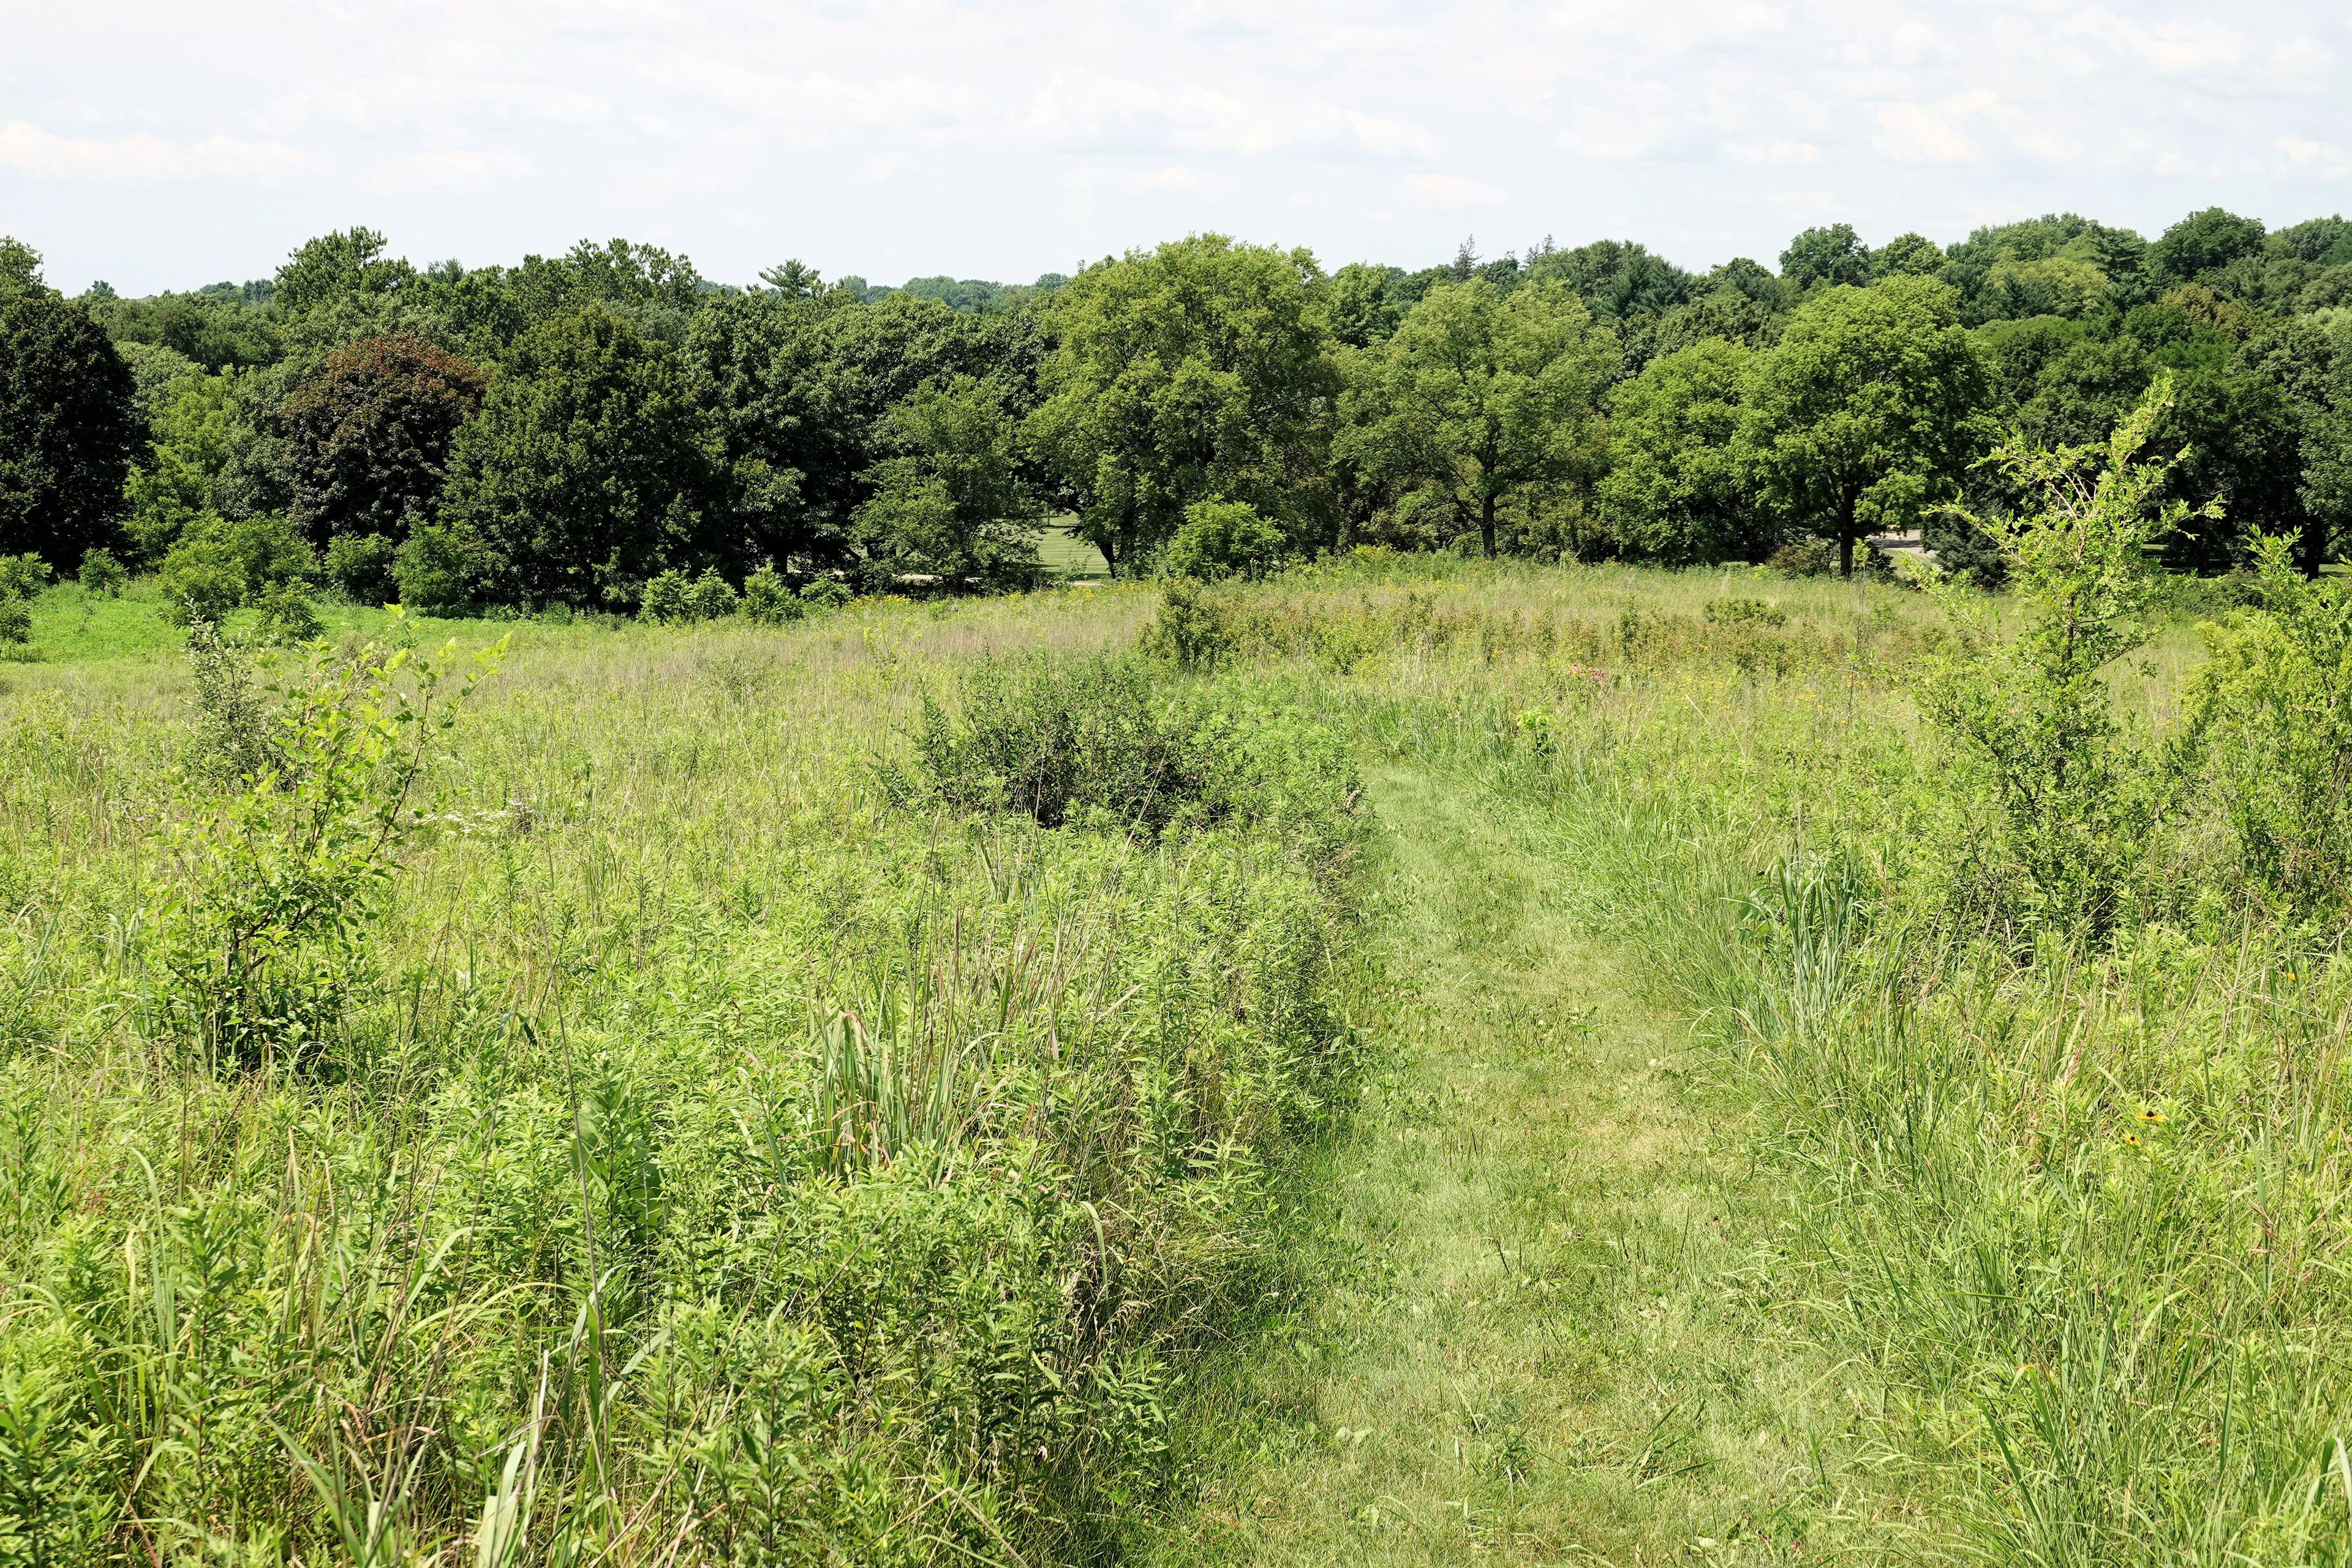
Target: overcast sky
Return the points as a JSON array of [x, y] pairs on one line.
[[168, 145]]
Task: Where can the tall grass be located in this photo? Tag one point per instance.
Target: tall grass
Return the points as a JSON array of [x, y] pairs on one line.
[[704, 1158]]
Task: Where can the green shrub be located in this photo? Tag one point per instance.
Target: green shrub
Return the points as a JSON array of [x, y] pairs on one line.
[[1067, 740], [286, 615], [665, 599], [709, 598], [439, 570], [2269, 730], [769, 600], [1221, 538], [826, 593], [359, 566], [199, 582], [1192, 630], [2079, 796], [16, 621], [272, 885], [23, 576], [102, 574], [1746, 612], [1805, 558]]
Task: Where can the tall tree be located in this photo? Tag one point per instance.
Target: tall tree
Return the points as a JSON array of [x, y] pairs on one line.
[[1481, 397], [1867, 411], [69, 421], [1823, 258], [590, 468], [949, 498], [1676, 490], [1197, 370], [367, 438], [348, 261]]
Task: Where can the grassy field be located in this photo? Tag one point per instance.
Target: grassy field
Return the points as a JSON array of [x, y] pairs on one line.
[[1525, 1108]]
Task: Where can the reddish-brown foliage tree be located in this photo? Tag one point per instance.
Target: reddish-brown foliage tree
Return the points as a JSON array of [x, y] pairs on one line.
[[367, 438]]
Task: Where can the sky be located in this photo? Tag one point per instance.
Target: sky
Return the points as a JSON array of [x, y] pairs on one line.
[[160, 146]]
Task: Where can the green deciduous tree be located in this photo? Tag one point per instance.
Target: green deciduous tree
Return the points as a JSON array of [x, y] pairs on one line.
[[1823, 258], [1866, 412], [69, 421], [1678, 490], [348, 261], [366, 441], [590, 468], [950, 498], [196, 437], [1198, 369], [1481, 397]]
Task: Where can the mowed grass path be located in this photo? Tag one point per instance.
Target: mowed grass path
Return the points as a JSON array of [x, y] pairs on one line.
[[1540, 1314]]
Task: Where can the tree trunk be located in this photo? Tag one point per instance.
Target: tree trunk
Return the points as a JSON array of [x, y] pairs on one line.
[[1487, 524], [1846, 539], [2312, 548]]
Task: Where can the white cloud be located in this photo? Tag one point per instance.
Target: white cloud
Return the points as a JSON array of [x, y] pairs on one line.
[[1773, 152], [919, 136], [38, 154], [1451, 191], [2306, 156], [1932, 134]]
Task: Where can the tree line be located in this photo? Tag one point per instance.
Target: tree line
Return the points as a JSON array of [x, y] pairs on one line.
[[573, 429]]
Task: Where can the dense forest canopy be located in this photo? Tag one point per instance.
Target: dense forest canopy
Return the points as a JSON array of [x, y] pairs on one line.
[[569, 427]]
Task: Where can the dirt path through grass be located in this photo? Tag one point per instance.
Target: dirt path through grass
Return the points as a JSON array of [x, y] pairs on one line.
[[1537, 1322]]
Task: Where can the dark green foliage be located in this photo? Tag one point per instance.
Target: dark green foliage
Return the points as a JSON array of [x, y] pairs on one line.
[[366, 441], [1615, 278], [590, 468], [359, 567], [214, 332], [1094, 740], [349, 261], [284, 614], [68, 426], [1820, 257], [1678, 490], [2202, 245]]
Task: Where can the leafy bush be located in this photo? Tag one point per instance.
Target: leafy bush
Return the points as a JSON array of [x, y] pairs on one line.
[[664, 598], [2078, 796], [16, 621], [286, 615], [1805, 558], [1193, 630], [769, 600], [272, 884], [2270, 728], [102, 574], [709, 598], [1222, 539], [219, 565], [826, 593], [23, 576], [1745, 612], [199, 584], [359, 566], [1068, 740], [439, 571]]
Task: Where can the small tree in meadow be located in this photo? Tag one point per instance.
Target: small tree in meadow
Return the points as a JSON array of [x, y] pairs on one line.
[[2080, 796], [1222, 539]]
